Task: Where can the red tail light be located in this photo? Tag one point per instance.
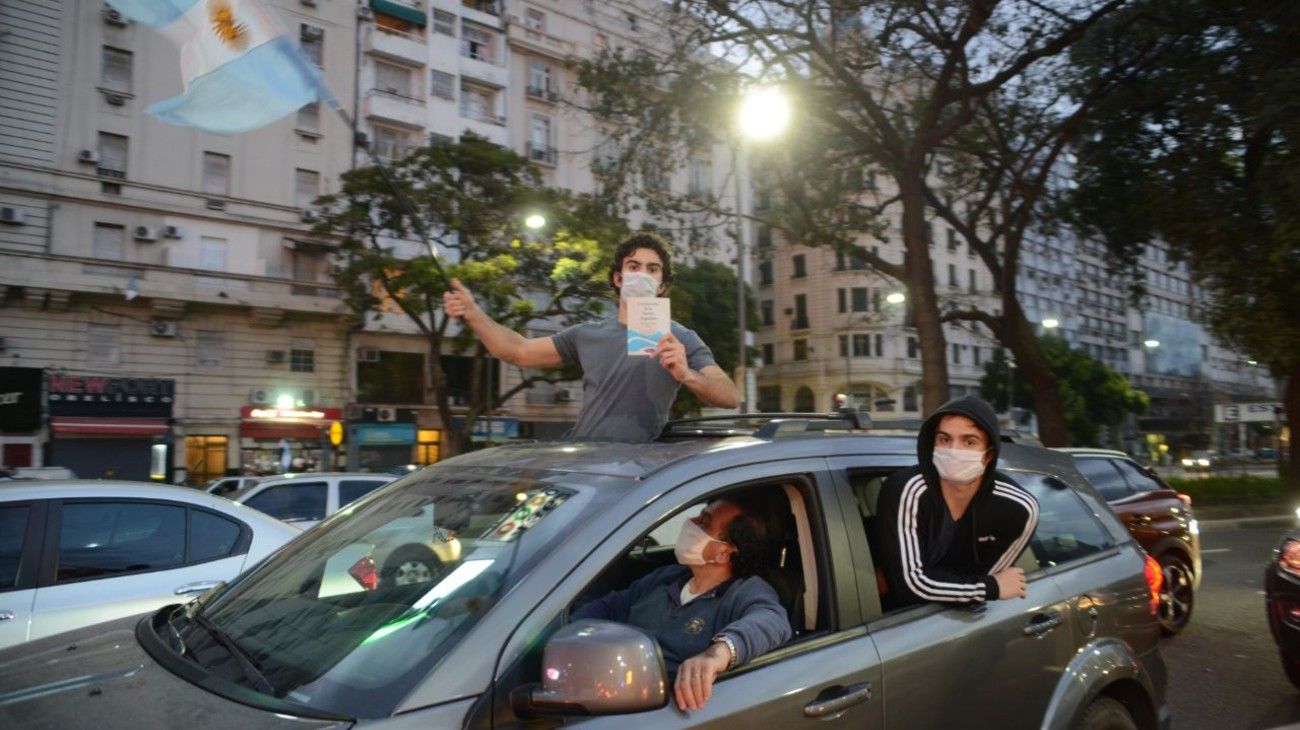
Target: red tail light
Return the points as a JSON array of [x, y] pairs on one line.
[[1187, 499], [1155, 581], [365, 573], [1288, 557]]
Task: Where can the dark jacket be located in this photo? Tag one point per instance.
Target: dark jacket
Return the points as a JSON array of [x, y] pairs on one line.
[[910, 514], [746, 610]]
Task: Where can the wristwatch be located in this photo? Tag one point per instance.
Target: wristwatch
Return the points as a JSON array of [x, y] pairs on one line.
[[731, 647]]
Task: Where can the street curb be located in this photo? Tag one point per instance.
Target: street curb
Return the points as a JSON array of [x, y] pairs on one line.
[[1276, 521]]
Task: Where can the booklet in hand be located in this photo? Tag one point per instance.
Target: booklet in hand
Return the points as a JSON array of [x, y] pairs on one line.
[[648, 319]]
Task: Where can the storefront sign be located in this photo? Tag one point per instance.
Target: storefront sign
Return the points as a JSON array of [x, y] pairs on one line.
[[81, 395], [265, 423], [1247, 413], [298, 415], [385, 434], [501, 428], [336, 433], [20, 399]]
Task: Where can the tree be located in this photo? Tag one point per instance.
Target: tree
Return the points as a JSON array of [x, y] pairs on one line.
[[1092, 395], [882, 86], [1200, 151], [466, 202], [704, 300]]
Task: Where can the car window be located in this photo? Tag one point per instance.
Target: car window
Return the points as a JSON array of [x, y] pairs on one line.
[[1067, 529], [297, 501], [1102, 474], [1140, 481], [350, 490], [13, 531], [107, 538], [211, 536], [227, 486]]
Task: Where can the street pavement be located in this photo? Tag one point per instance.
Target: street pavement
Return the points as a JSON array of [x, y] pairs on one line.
[[1224, 670]]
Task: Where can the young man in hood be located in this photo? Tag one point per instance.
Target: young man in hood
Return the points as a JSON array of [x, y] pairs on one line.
[[952, 527]]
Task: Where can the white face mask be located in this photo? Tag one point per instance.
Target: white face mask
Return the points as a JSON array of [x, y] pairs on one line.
[[638, 284], [691, 542], [961, 466]]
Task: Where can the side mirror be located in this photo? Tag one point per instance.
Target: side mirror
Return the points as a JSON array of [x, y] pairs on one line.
[[596, 668]]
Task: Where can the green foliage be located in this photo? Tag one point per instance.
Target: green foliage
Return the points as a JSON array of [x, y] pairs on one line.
[[1092, 395], [704, 299], [1228, 489]]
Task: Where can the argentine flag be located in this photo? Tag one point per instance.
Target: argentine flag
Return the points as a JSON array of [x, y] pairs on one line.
[[240, 69]]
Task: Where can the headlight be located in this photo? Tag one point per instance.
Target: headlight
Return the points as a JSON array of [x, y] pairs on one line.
[[1194, 527], [1187, 462], [1297, 513], [1202, 462], [1288, 557]]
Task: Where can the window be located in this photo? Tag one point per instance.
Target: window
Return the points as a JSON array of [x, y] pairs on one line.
[[535, 20], [312, 41], [956, 354], [844, 345], [769, 398], [769, 354], [860, 299], [211, 536], [1137, 479], [913, 348], [13, 532], [952, 239], [306, 187], [1066, 528], [103, 344], [302, 360], [478, 44], [765, 273], [701, 179], [391, 144], [428, 446], [971, 277], [442, 85], [212, 254], [350, 490], [393, 79], [208, 346], [98, 539], [307, 267], [861, 345], [841, 305], [975, 352], [478, 103], [108, 242], [765, 311], [539, 139], [952, 275], [909, 398], [880, 345], [800, 349], [539, 78], [800, 312], [309, 118], [115, 70], [803, 400], [800, 264], [633, 23], [112, 155], [216, 174], [444, 23], [300, 501]]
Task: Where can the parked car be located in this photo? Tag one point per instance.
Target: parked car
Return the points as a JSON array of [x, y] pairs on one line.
[[306, 499], [226, 486], [41, 472], [1159, 518], [312, 639], [76, 553], [1200, 461], [1282, 600]]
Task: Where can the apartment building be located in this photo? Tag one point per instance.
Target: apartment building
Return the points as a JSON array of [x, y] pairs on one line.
[[160, 282]]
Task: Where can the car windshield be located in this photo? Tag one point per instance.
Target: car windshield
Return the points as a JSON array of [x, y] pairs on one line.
[[348, 618]]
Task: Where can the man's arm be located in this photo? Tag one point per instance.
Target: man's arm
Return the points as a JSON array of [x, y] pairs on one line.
[[1018, 499], [761, 626], [503, 342], [709, 383]]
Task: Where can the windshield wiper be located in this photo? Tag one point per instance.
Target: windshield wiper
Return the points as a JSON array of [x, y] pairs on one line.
[[246, 663]]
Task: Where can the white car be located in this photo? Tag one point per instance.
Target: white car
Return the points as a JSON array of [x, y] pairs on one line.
[[306, 499], [77, 553], [226, 486]]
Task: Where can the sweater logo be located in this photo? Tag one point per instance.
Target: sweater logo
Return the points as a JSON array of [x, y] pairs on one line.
[[694, 626], [987, 538]]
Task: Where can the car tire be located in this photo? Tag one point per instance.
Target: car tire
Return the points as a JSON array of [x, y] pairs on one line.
[[411, 564], [1177, 595], [1106, 713], [1291, 666]]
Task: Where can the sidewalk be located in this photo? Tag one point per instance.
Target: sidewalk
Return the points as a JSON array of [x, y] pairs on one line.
[[1219, 516]]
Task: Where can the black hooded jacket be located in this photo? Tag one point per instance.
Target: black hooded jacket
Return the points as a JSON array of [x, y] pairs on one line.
[[910, 514]]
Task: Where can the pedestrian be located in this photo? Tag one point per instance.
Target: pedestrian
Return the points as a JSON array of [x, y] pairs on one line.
[[952, 527], [625, 398]]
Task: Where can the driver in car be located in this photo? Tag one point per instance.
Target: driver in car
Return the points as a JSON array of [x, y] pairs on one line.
[[711, 612]]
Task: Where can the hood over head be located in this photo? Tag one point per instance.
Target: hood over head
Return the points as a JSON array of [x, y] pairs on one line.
[[973, 408]]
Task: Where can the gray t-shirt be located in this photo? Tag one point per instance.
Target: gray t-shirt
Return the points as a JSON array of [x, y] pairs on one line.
[[624, 397]]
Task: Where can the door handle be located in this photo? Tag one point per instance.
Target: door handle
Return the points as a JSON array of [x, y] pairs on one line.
[[198, 587], [845, 699], [7, 615], [1043, 623]]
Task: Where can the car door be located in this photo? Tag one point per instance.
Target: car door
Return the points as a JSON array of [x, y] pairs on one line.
[[826, 677], [352, 489], [943, 666], [21, 528], [303, 503], [104, 559]]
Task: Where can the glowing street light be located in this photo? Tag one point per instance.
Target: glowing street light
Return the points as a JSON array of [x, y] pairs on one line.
[[534, 221], [284, 401], [1051, 323], [897, 297], [1151, 344], [763, 113]]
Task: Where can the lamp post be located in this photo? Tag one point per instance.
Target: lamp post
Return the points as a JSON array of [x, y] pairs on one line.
[[761, 115]]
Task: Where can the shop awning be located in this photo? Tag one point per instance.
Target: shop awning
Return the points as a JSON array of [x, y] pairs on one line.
[[87, 426], [277, 431], [398, 10]]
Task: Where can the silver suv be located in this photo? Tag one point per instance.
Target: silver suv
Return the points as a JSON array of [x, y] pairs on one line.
[[313, 637]]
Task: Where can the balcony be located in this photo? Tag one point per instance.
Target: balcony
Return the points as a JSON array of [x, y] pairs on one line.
[[394, 107], [544, 155], [542, 94], [539, 42], [401, 46]]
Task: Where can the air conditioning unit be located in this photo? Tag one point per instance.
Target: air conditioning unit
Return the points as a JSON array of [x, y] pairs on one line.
[[365, 13], [565, 395], [309, 216], [383, 413], [12, 216], [145, 233], [260, 396], [90, 157], [275, 356], [163, 328], [115, 99], [215, 204], [312, 33], [172, 232], [113, 17], [367, 354]]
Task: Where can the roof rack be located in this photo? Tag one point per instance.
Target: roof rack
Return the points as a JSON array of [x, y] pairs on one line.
[[765, 425]]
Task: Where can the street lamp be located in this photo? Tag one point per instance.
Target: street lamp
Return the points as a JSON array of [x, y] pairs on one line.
[[1051, 323], [1151, 344], [897, 297], [762, 114], [534, 221]]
